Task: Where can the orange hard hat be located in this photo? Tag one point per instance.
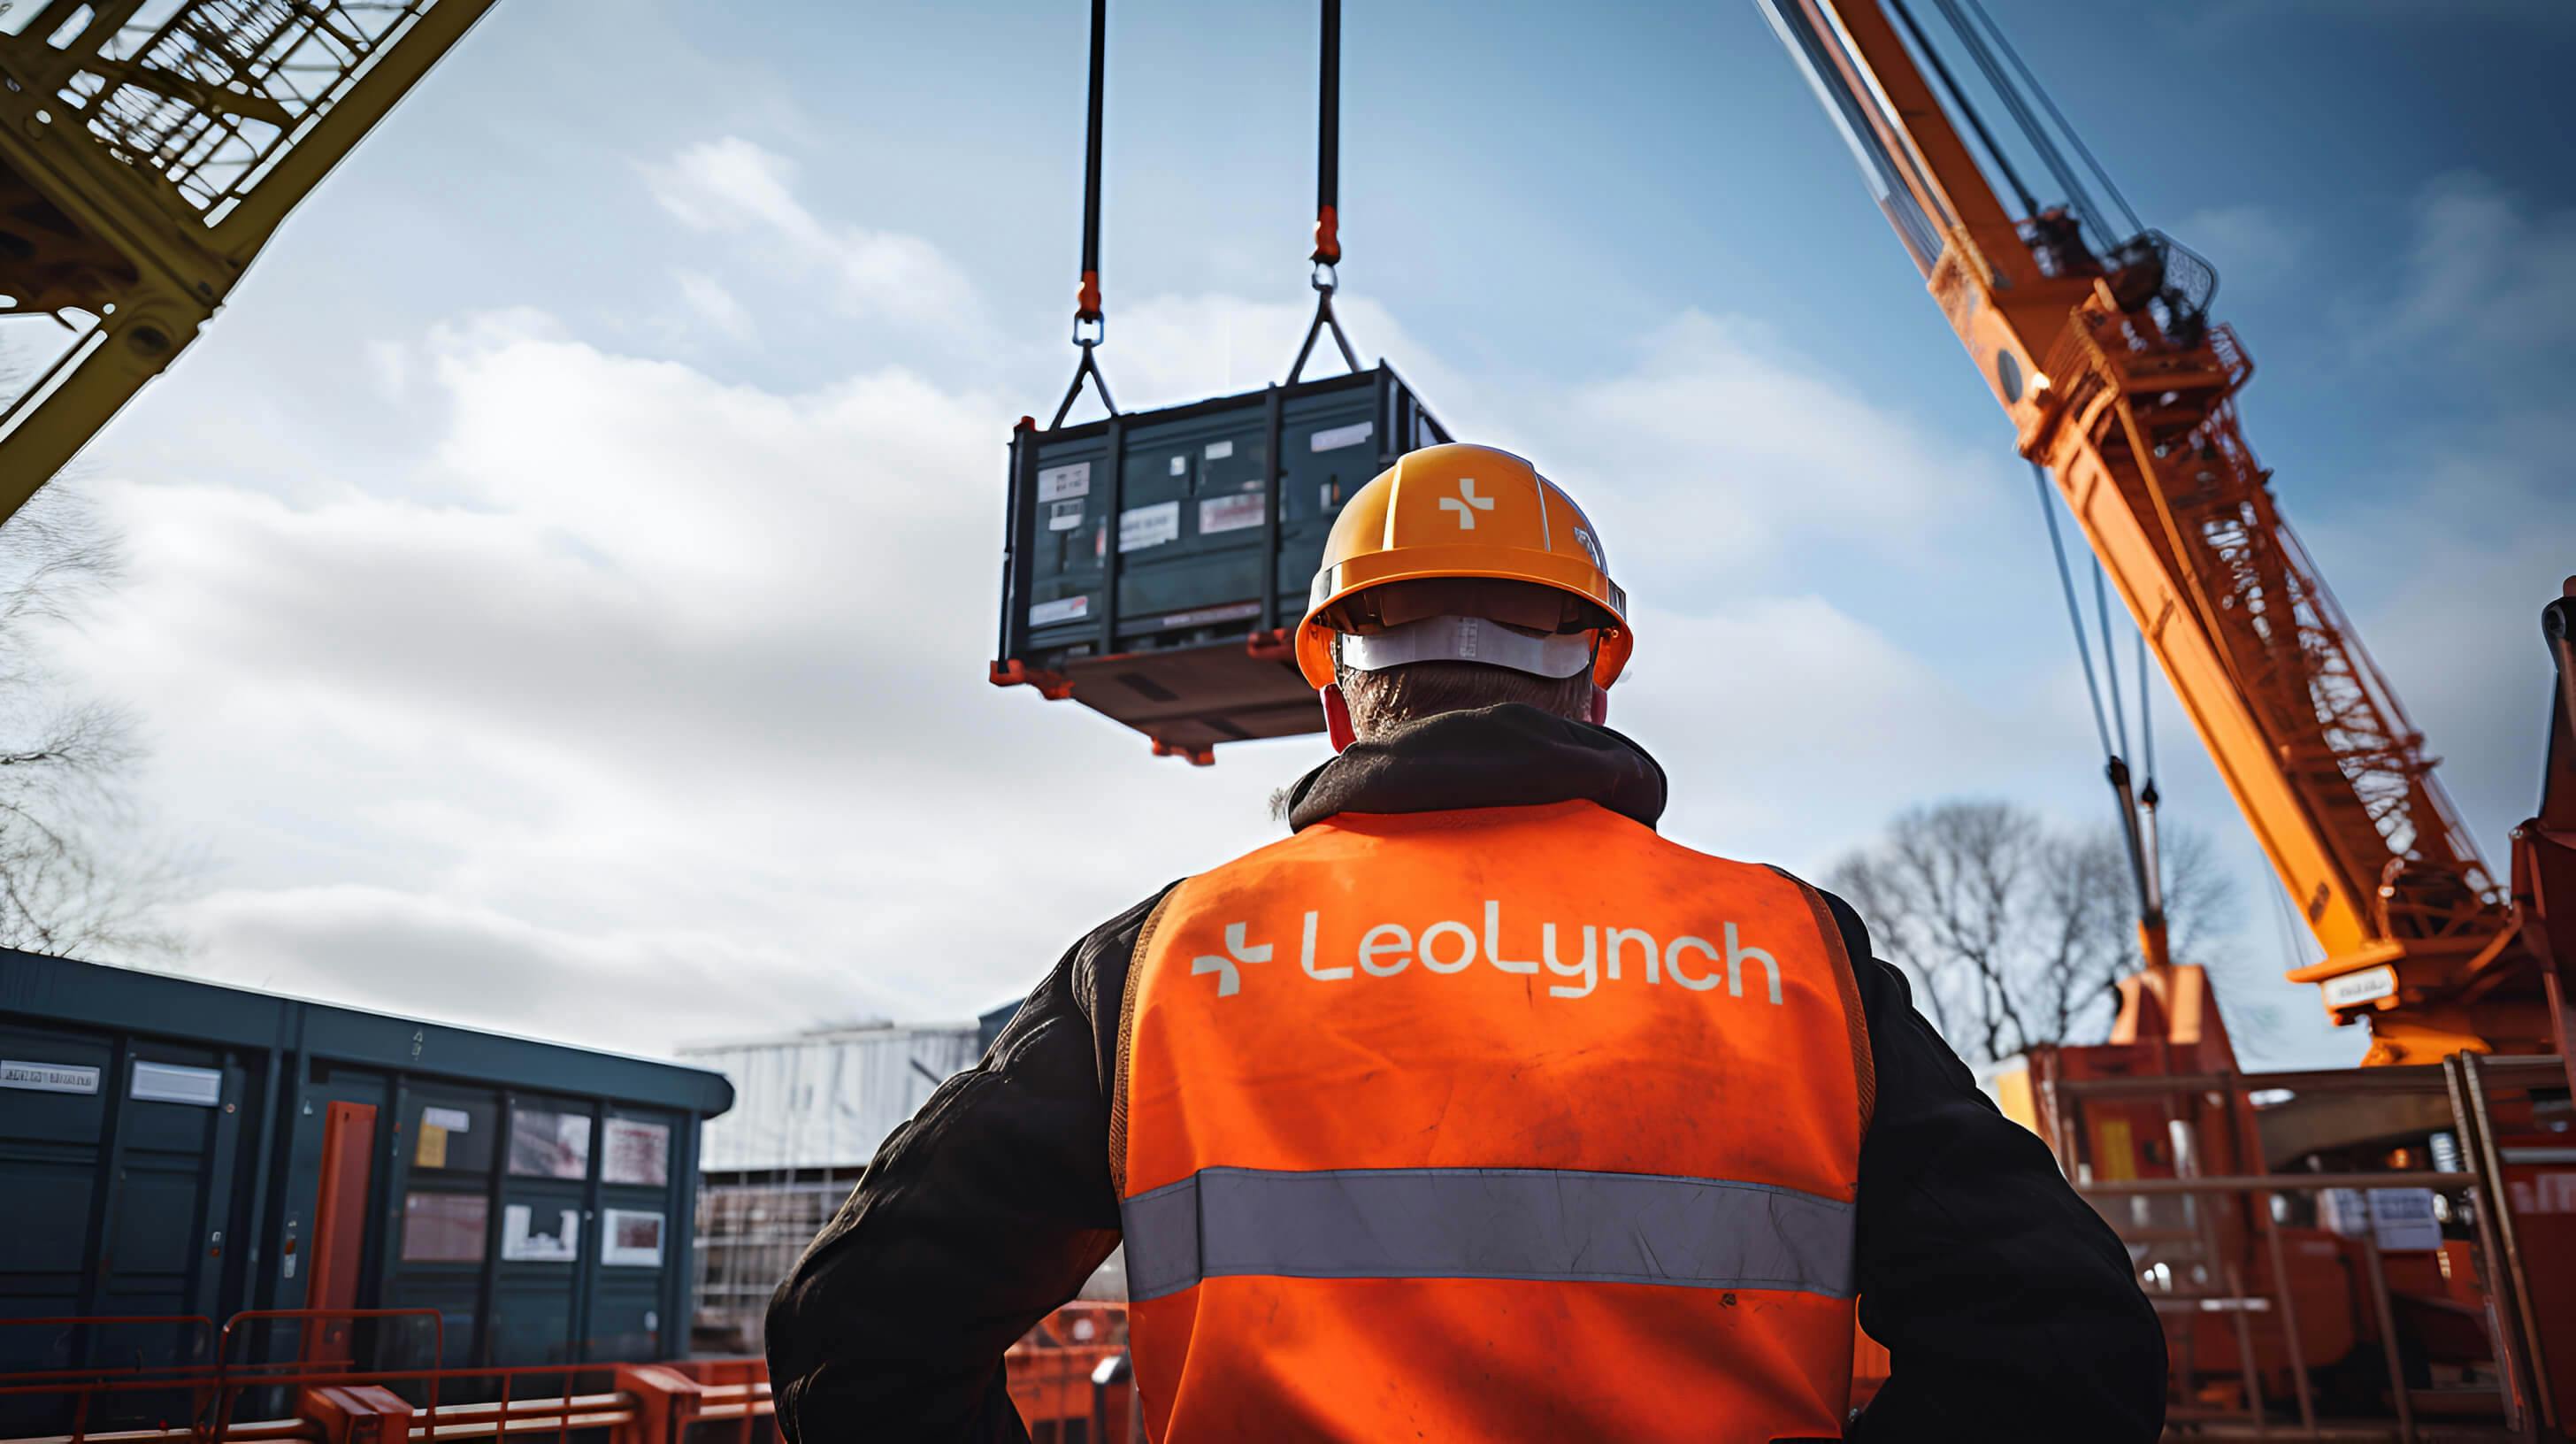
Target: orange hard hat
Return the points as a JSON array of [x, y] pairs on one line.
[[1464, 513]]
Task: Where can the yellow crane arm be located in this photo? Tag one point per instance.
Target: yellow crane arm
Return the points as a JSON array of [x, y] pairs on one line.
[[142, 167]]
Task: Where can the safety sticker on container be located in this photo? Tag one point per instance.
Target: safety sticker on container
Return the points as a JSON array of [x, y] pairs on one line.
[[1063, 609], [1058, 482], [1219, 450], [1209, 616], [1230, 513], [1064, 515], [48, 1077], [1180, 466], [1341, 436], [454, 1120], [170, 1083], [1149, 526]]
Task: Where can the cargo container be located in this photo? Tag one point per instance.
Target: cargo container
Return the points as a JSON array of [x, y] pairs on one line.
[[1155, 561], [176, 1149]]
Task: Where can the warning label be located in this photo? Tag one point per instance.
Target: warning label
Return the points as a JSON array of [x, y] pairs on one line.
[[1058, 483], [1063, 609], [1231, 513], [48, 1077], [1149, 526]]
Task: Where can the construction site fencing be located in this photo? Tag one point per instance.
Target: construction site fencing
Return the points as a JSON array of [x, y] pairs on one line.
[[698, 1401], [1070, 1379]]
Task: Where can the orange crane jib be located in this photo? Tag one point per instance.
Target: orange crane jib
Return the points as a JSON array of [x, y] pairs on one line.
[[2100, 354]]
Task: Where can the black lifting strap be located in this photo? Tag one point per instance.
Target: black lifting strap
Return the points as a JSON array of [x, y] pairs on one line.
[[1328, 185], [1086, 304]]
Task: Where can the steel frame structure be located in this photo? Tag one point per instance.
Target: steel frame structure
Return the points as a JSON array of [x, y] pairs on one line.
[[148, 150]]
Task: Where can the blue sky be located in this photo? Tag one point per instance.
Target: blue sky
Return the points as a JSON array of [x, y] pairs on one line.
[[563, 575]]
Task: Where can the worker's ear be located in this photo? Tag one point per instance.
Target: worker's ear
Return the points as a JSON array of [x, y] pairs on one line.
[[1599, 711], [1337, 717]]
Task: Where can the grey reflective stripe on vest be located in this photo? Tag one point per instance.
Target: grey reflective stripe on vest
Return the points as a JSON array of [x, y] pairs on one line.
[[1486, 1223]]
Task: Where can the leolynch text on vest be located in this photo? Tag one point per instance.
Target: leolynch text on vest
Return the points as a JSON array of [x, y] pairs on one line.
[[1584, 956]]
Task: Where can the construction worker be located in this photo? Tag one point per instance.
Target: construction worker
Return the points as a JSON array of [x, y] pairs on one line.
[[1474, 1109]]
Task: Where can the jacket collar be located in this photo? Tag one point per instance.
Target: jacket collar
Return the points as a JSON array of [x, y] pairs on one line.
[[1504, 756]]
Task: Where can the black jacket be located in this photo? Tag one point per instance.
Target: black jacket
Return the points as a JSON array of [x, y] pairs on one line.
[[2008, 1305]]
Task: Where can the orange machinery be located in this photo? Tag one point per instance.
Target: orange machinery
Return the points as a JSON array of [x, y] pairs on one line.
[[2094, 338]]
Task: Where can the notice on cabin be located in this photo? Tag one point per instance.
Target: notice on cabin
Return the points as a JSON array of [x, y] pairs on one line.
[[1149, 526], [638, 1152], [172, 1083], [1337, 437], [527, 1239], [48, 1077], [632, 1238]]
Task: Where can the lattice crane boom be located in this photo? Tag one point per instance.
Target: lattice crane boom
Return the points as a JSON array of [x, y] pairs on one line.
[[148, 150], [2119, 387]]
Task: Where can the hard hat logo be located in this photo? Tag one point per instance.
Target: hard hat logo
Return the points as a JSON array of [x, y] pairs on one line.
[[1466, 503], [1423, 539]]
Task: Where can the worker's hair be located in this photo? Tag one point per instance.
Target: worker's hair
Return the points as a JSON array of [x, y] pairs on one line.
[[1383, 700]]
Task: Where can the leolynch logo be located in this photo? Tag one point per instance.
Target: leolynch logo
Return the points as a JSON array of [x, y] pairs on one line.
[[1466, 503]]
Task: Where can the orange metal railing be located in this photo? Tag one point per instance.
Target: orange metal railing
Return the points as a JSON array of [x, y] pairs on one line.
[[707, 1401], [1068, 1379]]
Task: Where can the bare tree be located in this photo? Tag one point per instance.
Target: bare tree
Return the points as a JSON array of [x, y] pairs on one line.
[[75, 880], [2016, 933]]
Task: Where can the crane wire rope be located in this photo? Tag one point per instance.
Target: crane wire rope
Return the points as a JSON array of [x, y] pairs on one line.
[[1959, 98], [2074, 613], [1086, 303], [2073, 136], [2032, 131], [1327, 255], [2114, 770], [2110, 659]]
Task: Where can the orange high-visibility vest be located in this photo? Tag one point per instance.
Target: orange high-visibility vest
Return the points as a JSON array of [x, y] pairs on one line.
[[1501, 1123]]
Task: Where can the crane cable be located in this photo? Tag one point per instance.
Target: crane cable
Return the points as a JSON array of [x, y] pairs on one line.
[[1959, 98], [1086, 303], [2073, 136], [1327, 255], [2114, 770], [2026, 118]]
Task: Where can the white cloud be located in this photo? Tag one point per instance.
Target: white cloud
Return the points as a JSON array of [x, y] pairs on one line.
[[2486, 277], [707, 299], [1722, 450], [734, 187], [2249, 244]]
